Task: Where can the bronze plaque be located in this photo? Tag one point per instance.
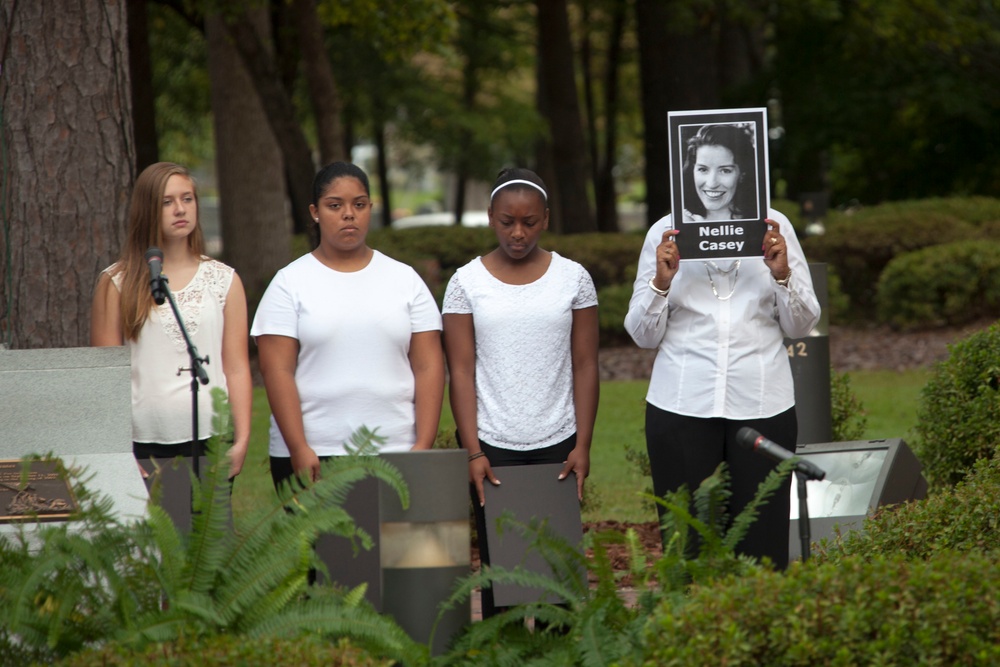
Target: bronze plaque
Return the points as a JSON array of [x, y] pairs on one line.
[[42, 493]]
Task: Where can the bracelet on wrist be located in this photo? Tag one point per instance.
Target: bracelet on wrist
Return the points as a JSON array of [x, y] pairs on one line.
[[784, 281], [657, 290], [473, 457]]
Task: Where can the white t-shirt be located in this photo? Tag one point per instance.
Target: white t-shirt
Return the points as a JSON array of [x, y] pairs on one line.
[[354, 334], [722, 358], [161, 399], [524, 363]]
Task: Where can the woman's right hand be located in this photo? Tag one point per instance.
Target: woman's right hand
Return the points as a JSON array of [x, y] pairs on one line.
[[479, 469], [668, 260], [305, 463]]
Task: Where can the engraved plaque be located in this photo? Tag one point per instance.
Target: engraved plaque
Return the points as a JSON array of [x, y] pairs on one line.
[[42, 493]]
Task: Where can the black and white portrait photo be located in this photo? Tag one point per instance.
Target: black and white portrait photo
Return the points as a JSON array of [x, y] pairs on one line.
[[719, 180]]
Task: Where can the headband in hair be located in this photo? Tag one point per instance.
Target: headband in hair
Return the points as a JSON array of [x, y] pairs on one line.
[[518, 180]]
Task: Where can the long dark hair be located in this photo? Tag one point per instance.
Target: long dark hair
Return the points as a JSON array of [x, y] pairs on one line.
[[738, 138]]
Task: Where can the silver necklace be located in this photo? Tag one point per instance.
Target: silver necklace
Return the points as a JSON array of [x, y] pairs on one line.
[[732, 285]]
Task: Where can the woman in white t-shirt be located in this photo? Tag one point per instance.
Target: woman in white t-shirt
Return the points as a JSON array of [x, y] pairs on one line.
[[163, 213], [521, 337], [347, 338]]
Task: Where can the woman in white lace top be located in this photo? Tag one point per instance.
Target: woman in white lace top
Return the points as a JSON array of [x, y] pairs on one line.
[[521, 336], [164, 213]]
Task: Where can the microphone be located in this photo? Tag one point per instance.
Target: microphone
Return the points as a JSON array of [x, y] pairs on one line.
[[751, 439], [154, 257]]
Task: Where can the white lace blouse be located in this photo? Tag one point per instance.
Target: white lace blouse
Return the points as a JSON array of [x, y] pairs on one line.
[[524, 365], [161, 399]]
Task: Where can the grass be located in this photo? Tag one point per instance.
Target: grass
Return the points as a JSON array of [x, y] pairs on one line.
[[890, 399]]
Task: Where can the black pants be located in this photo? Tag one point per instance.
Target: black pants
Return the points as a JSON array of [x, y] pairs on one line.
[[499, 458], [686, 450]]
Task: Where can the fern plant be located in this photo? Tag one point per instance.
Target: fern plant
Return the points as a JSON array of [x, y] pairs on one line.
[[596, 625], [145, 582]]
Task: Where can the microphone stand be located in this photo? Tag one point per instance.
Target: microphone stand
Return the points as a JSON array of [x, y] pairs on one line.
[[804, 530], [198, 375]]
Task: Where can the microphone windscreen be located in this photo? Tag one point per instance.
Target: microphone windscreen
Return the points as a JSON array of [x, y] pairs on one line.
[[747, 437]]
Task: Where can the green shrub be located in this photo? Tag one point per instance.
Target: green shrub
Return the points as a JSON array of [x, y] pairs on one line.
[[847, 414], [610, 258], [859, 246], [889, 612], [230, 650], [959, 417], [965, 518], [63, 590], [611, 310], [953, 283], [838, 304], [596, 625]]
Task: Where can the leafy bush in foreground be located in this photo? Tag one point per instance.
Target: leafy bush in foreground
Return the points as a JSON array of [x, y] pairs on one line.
[[889, 611], [965, 518], [65, 588], [596, 627], [959, 417], [229, 650]]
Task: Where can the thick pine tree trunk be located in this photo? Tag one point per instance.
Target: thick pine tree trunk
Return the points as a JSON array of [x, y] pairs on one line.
[[67, 167], [562, 108], [322, 84], [256, 227]]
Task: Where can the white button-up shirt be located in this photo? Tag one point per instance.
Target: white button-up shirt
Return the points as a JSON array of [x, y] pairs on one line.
[[722, 358]]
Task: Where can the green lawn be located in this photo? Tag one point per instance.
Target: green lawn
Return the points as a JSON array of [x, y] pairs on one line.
[[890, 400]]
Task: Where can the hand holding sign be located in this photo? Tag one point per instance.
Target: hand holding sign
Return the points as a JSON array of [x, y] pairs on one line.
[[776, 252], [668, 259]]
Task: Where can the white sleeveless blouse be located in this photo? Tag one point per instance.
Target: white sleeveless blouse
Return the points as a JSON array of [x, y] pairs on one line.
[[161, 399]]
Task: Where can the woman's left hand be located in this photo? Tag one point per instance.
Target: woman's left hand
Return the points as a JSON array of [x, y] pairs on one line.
[[775, 251], [578, 461]]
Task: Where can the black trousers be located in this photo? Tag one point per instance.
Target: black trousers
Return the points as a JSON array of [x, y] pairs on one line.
[[498, 458], [685, 450]]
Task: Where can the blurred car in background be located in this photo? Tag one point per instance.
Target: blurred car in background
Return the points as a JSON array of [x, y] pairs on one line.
[[442, 219]]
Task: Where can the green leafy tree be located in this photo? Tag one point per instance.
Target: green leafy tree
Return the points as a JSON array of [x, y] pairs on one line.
[[889, 99]]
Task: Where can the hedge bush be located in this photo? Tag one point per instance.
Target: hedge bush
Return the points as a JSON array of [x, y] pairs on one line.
[[952, 283], [610, 258], [959, 417], [888, 611], [229, 651], [858, 247], [965, 518]]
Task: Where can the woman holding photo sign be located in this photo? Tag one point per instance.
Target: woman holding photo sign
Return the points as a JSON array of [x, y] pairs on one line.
[[721, 364]]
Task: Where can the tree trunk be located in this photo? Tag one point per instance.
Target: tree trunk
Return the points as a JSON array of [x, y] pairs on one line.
[[256, 230], [678, 71], [143, 98], [651, 21], [281, 115], [321, 82], [383, 170], [569, 149], [66, 134], [604, 184]]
